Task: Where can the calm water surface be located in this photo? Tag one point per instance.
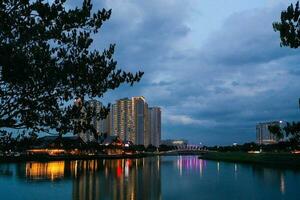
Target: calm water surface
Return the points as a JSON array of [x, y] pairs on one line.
[[149, 178]]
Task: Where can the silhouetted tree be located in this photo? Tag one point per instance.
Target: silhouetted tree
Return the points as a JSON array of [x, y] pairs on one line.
[[24, 142], [289, 26], [293, 130], [151, 148], [276, 131], [46, 61], [7, 142]]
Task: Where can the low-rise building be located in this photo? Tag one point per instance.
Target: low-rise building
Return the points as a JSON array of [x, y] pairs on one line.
[[180, 142]]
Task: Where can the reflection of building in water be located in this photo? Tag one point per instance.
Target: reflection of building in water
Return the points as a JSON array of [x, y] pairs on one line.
[[49, 170], [150, 187], [271, 177], [86, 183], [101, 179], [118, 179], [5, 170]]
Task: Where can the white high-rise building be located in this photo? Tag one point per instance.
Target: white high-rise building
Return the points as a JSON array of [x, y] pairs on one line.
[[121, 113], [264, 136], [131, 120]]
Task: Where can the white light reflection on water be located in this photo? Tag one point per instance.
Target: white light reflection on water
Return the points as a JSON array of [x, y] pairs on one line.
[[282, 183], [235, 171]]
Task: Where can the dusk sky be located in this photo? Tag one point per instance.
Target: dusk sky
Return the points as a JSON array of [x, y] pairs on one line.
[[215, 68]]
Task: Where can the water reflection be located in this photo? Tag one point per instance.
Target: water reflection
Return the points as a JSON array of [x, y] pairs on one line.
[[190, 164], [5, 170], [149, 178], [50, 170], [102, 179], [282, 183], [273, 177]]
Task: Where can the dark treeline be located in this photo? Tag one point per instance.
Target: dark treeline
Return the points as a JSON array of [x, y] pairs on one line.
[[286, 146]]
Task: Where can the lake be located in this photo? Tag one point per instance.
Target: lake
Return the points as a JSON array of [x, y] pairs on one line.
[[170, 177]]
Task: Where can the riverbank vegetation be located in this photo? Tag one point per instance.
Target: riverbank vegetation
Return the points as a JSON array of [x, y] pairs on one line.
[[266, 158]]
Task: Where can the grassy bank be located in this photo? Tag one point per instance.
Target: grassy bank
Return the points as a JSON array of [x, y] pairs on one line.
[[270, 159]]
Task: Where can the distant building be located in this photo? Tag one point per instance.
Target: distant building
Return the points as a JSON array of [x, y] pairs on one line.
[[140, 126], [154, 120], [101, 126], [264, 136], [54, 142], [180, 142], [121, 113], [129, 118], [96, 122], [86, 136]]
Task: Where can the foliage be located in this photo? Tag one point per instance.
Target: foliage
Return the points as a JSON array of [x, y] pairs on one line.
[[151, 148], [293, 130], [164, 147], [46, 61], [244, 147], [289, 26], [276, 131], [137, 147], [7, 142]]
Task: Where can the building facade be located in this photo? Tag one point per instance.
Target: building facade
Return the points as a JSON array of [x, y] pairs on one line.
[[140, 125], [101, 126], [122, 119], [132, 120], [154, 120], [264, 136], [129, 118], [86, 136]]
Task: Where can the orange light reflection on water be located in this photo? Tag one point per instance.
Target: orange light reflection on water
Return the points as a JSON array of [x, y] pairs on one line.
[[51, 170]]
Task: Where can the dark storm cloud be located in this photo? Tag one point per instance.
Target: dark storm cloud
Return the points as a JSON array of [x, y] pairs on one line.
[[254, 78], [247, 38], [214, 93]]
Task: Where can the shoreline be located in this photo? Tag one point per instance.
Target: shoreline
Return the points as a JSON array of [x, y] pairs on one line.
[[285, 160], [45, 158]]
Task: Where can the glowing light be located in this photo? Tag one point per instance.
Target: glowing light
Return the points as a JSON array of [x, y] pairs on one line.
[[47, 151], [51, 170], [119, 169], [282, 184], [256, 152]]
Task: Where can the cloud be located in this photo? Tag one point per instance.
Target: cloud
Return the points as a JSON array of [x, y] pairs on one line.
[[210, 90], [182, 119]]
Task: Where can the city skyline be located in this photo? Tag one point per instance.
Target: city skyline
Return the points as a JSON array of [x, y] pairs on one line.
[[131, 119]]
